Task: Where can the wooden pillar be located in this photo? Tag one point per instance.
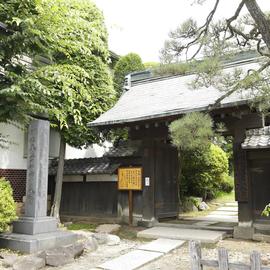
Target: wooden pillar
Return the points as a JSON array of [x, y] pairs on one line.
[[245, 228], [148, 204]]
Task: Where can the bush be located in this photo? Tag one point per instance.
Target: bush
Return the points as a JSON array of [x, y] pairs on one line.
[[204, 172], [7, 205], [227, 184]]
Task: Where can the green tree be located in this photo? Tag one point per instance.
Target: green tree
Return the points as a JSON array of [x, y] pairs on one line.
[[73, 86], [205, 172], [217, 39], [126, 64], [192, 132]]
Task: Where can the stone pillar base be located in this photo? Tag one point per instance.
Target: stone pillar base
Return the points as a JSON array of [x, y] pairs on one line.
[[246, 233], [33, 243], [148, 223], [32, 226]]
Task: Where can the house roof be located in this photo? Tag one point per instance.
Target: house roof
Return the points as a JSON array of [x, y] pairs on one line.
[[85, 166], [169, 96], [124, 149], [257, 138]]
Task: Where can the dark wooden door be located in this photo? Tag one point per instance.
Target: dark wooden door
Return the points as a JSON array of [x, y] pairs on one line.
[[166, 171], [259, 172]]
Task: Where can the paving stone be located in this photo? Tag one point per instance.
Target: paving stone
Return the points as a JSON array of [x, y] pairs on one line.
[[205, 236], [224, 213], [162, 245], [228, 208], [131, 260]]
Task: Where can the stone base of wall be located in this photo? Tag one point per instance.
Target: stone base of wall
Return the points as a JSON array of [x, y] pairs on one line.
[[17, 179]]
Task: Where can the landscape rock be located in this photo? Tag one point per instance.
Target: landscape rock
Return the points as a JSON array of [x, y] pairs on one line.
[[91, 244], [75, 249], [203, 206], [9, 260], [108, 228], [29, 263], [113, 240], [59, 256], [102, 238]]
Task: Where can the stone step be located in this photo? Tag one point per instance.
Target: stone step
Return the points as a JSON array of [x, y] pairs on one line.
[[132, 260], [162, 245], [201, 225], [205, 236]]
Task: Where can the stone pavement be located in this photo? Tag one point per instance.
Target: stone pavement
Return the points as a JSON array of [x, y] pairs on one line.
[[143, 255], [226, 213], [205, 236]]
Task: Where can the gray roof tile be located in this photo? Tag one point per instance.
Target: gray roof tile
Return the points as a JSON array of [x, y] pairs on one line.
[[85, 166], [257, 138], [162, 97]]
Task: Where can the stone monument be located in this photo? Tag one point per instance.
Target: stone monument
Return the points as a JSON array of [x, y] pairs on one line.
[[36, 231]]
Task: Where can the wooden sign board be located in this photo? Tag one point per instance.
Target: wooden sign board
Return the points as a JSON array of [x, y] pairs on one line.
[[130, 178]]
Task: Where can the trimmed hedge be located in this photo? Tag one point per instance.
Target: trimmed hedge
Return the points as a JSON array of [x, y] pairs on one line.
[[7, 205]]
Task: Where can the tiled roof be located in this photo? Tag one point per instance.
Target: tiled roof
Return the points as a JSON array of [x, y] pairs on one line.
[[85, 166], [124, 149], [257, 138], [161, 97]]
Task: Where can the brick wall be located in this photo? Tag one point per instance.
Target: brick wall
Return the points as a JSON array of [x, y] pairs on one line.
[[17, 178]]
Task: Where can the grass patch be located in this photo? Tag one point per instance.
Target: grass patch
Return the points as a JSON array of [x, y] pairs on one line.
[[224, 198], [82, 226], [130, 233]]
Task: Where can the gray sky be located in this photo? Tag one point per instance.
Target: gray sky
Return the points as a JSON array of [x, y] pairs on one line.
[[142, 26]]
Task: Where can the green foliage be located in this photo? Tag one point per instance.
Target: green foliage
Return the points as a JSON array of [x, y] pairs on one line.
[[266, 211], [193, 131], [173, 69], [74, 84], [127, 64], [205, 172], [151, 65], [7, 205], [82, 226]]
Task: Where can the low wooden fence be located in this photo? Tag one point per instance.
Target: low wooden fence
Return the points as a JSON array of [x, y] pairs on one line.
[[197, 263]]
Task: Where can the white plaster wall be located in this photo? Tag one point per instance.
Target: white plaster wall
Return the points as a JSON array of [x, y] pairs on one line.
[[94, 151], [101, 178], [12, 157]]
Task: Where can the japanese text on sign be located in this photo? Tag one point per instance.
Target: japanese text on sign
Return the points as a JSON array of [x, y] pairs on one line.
[[130, 178]]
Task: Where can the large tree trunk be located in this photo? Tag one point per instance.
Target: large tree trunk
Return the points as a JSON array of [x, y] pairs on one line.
[[59, 181], [259, 17]]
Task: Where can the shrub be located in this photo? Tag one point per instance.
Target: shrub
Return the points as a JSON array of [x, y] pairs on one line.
[[7, 205], [227, 184], [204, 171]]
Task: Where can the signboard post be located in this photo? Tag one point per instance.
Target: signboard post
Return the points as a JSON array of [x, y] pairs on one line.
[[130, 179]]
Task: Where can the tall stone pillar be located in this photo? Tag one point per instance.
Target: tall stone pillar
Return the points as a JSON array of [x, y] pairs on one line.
[[36, 231], [35, 219]]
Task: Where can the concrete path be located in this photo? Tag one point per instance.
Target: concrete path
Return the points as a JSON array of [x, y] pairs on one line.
[[205, 236], [143, 255]]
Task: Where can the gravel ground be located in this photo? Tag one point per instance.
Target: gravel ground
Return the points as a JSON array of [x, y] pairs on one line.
[[239, 251]]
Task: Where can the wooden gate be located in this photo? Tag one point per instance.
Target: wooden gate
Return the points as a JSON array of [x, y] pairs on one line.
[[259, 173], [166, 172]]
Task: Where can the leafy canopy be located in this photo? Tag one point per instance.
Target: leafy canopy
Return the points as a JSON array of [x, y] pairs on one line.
[[126, 64], [73, 84], [192, 131]]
